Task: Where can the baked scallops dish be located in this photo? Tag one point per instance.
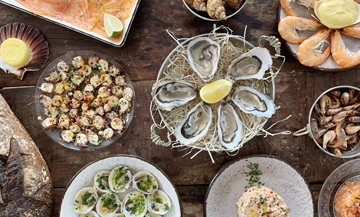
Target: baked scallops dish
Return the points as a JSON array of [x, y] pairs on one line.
[[86, 100], [347, 200], [261, 201]]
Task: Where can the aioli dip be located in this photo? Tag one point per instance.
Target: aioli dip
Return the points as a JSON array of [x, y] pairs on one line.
[[336, 13]]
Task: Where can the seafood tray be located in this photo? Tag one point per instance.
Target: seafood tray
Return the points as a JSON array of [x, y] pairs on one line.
[[209, 141], [127, 25], [329, 65]]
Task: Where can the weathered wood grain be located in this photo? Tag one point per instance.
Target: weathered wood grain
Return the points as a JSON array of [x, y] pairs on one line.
[[300, 152]]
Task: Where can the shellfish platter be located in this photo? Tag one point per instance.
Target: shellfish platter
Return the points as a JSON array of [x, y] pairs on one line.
[[351, 43], [120, 185], [84, 100], [117, 43], [224, 124]]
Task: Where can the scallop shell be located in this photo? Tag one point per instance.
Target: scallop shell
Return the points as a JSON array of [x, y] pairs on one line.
[[39, 48], [159, 203]]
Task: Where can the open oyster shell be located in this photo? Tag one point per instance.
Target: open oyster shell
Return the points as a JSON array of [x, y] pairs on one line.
[[168, 93], [101, 181], [159, 203], [39, 48], [229, 126], [204, 54], [85, 200], [120, 179], [108, 204], [145, 182], [252, 64], [194, 125], [134, 205], [252, 101]]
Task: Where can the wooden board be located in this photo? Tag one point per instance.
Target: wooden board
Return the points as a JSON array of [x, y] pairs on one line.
[[147, 46]]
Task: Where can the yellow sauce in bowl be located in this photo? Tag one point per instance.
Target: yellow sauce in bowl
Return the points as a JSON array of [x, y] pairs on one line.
[[14, 52], [337, 13]]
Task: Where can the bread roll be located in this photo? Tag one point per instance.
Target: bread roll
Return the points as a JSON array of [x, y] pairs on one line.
[[25, 182]]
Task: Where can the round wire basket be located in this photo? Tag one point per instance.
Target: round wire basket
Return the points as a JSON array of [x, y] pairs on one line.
[[176, 66]]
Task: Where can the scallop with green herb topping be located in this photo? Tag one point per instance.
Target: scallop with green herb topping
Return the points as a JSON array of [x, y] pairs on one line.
[[120, 179]]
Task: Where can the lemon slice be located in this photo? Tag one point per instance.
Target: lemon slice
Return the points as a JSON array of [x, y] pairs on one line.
[[215, 91], [113, 26]]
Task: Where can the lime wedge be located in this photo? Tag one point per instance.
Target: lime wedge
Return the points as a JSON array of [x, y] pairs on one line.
[[113, 26]]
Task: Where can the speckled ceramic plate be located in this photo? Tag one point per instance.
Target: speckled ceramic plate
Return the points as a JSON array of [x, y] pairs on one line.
[[84, 178], [229, 184]]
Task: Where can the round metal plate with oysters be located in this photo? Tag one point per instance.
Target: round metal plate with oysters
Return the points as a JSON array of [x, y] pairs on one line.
[[197, 124]]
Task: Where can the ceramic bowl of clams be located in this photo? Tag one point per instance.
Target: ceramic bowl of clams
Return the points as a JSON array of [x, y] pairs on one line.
[[214, 10], [334, 121]]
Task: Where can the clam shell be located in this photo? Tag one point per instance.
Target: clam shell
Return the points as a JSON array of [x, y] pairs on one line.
[[99, 178], [152, 215], [90, 214], [118, 215], [139, 199], [163, 207], [103, 199], [112, 175], [82, 209], [39, 48], [150, 189]]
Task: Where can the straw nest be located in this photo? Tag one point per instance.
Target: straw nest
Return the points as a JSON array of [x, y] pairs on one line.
[[178, 67]]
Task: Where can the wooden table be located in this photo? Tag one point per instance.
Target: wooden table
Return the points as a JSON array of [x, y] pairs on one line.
[[147, 46]]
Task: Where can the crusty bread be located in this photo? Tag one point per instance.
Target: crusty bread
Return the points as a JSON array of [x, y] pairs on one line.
[[25, 182]]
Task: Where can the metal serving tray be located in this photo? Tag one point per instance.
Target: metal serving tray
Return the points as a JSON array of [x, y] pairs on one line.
[[128, 22]]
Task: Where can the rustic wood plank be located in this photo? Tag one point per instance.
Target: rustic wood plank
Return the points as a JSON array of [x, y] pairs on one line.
[[301, 152]]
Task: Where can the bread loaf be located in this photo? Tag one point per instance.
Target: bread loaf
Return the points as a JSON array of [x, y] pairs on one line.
[[25, 182]]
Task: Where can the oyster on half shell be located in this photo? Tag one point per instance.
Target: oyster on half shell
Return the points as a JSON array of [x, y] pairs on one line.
[[229, 126], [168, 94], [194, 125], [252, 64], [252, 101], [204, 54]]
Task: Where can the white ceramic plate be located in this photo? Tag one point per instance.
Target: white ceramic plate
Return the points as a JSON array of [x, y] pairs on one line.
[[329, 65], [229, 184], [128, 22], [84, 178]]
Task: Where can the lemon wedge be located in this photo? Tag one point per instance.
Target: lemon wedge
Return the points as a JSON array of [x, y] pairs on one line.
[[14, 52], [113, 26], [215, 91]]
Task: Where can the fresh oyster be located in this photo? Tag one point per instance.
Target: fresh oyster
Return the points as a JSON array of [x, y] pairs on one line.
[[134, 205], [120, 179], [145, 182], [101, 181], [85, 200], [168, 94], [252, 101], [194, 125], [252, 64], [159, 203], [108, 204], [204, 54], [90, 214], [229, 126]]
